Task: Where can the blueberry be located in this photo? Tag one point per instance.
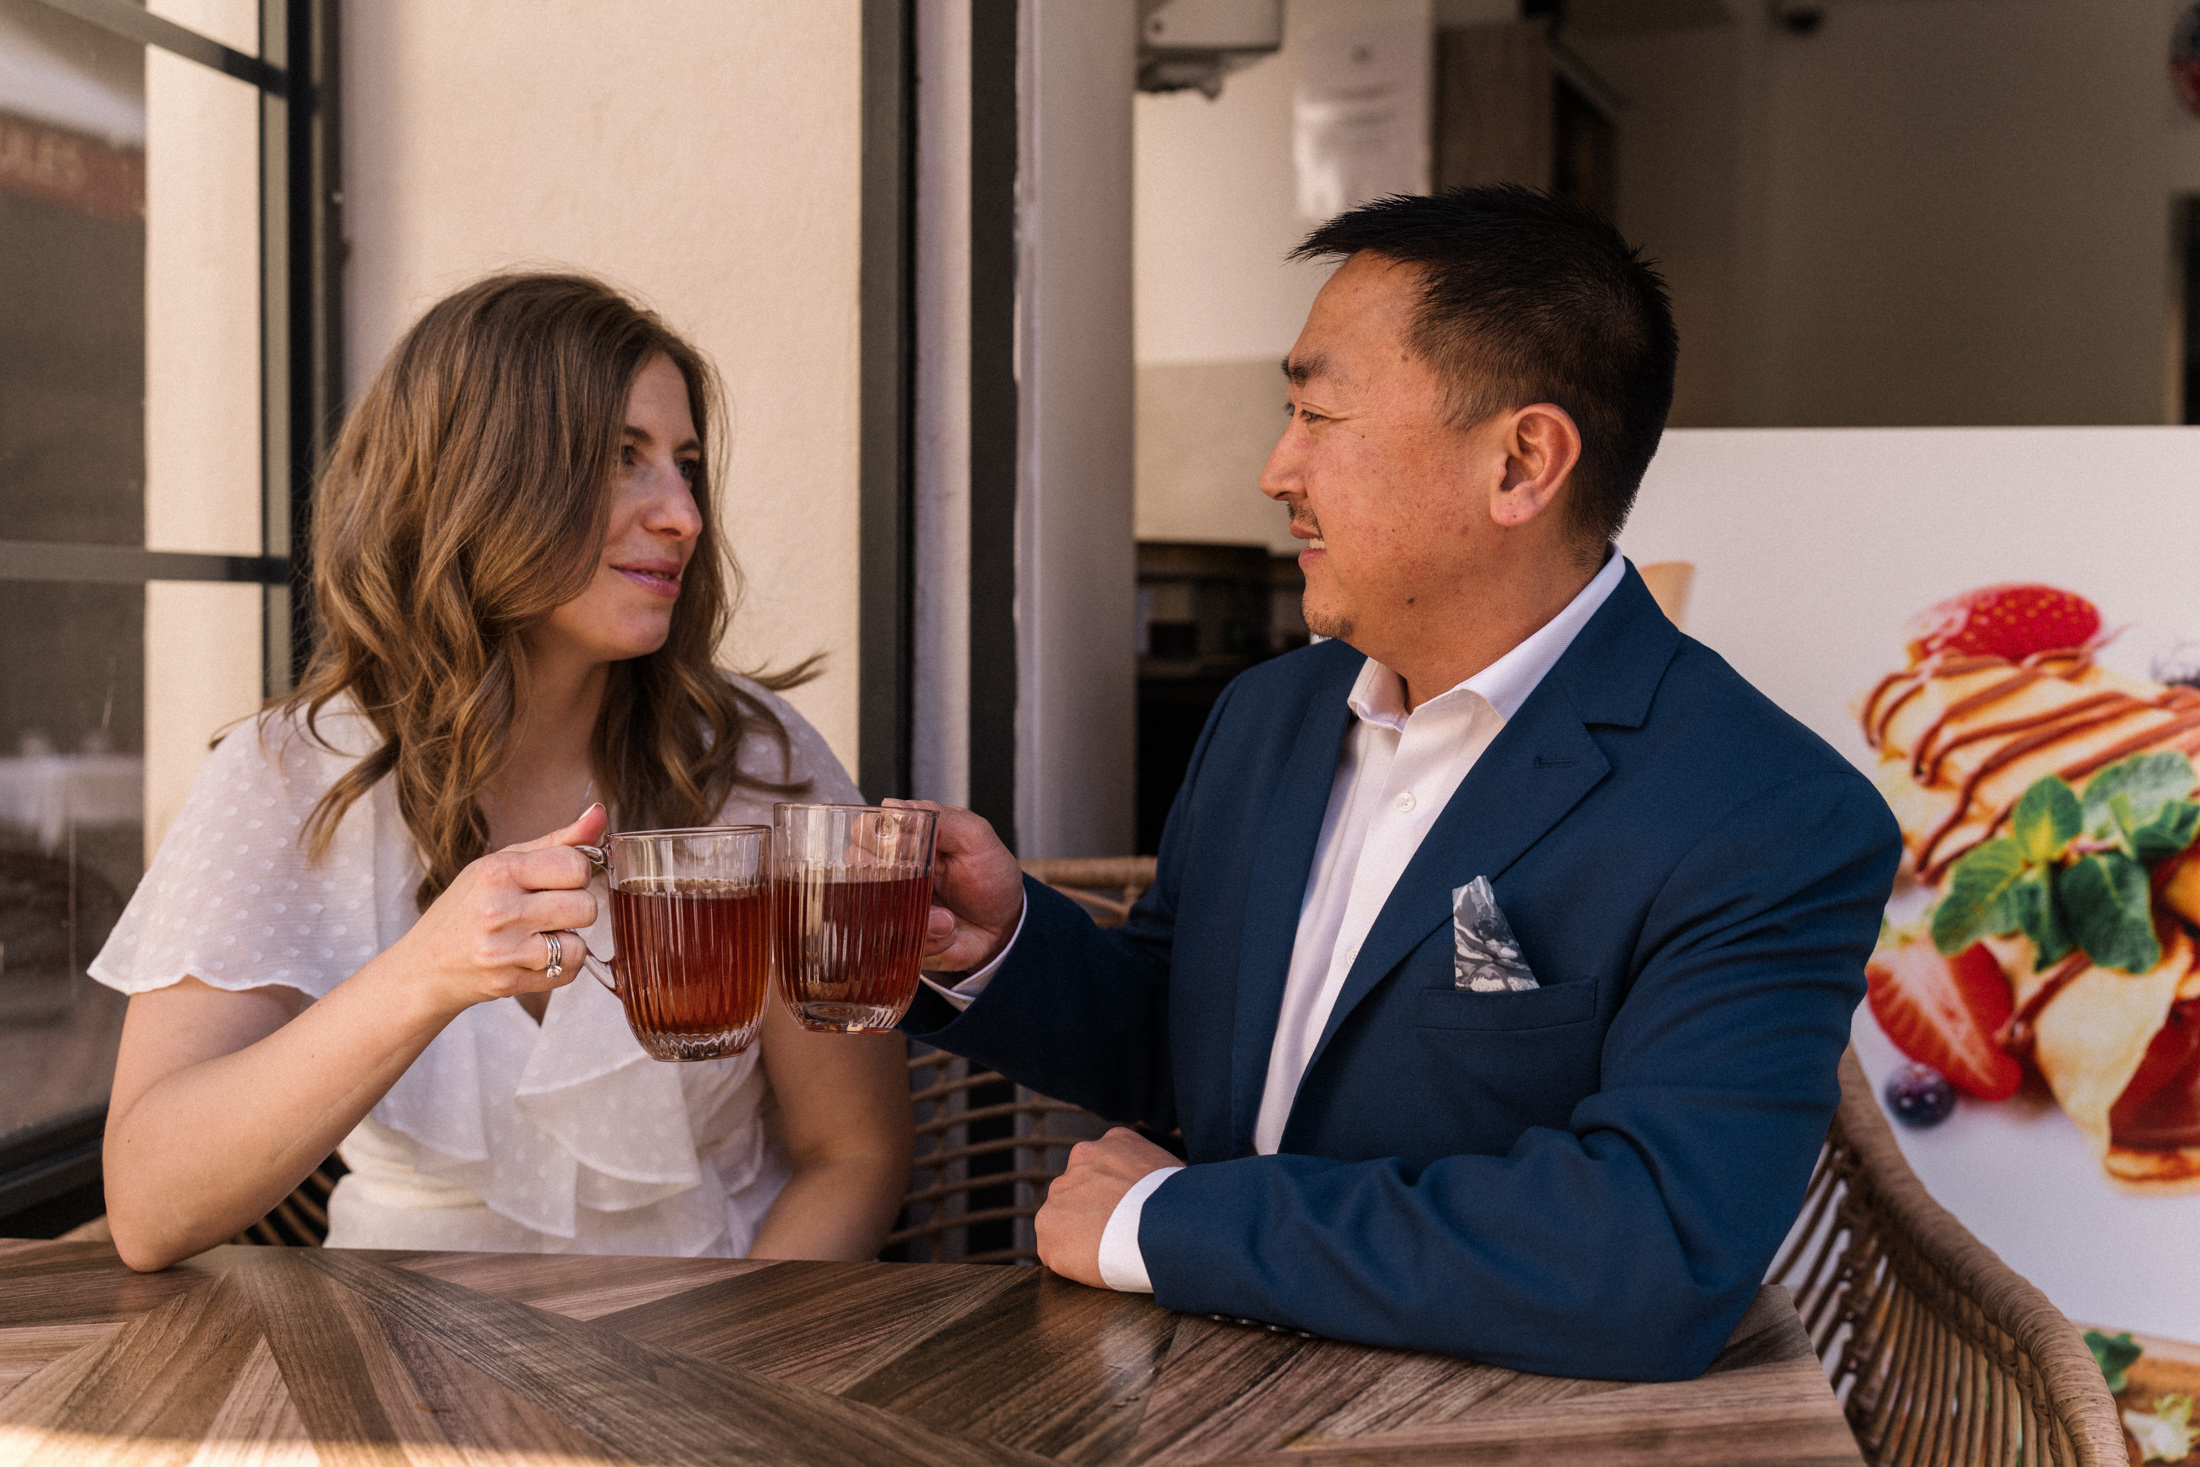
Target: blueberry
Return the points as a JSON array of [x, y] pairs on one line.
[[1920, 1095]]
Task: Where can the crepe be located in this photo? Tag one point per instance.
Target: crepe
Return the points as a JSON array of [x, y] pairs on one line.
[[1960, 739], [2089, 1039]]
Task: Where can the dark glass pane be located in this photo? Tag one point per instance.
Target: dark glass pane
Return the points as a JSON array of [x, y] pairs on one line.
[[72, 834], [72, 293]]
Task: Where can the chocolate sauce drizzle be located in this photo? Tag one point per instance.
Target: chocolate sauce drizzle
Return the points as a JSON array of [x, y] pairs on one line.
[[2021, 1032], [2025, 735]]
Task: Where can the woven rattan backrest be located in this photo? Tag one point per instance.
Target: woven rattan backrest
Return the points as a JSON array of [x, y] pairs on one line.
[[1940, 1352], [301, 1219], [1105, 887], [986, 1148]]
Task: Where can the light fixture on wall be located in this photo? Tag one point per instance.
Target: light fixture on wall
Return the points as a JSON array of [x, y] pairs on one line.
[[1193, 44]]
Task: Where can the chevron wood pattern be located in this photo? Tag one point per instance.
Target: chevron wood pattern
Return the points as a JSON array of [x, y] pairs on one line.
[[265, 1357]]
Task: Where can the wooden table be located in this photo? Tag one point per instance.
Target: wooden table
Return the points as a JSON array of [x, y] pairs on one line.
[[274, 1355]]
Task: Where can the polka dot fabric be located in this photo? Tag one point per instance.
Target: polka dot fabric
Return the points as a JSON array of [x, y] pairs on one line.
[[504, 1134]]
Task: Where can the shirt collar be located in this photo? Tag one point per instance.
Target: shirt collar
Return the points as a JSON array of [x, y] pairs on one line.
[[1378, 695]]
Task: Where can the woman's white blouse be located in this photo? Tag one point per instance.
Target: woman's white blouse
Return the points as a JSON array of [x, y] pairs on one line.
[[504, 1135]]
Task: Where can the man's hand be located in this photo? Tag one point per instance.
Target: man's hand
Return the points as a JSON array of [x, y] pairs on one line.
[[977, 890], [1082, 1199]]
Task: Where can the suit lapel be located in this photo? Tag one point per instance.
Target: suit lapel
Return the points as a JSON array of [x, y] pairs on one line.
[[1531, 775], [1280, 864], [1529, 778]]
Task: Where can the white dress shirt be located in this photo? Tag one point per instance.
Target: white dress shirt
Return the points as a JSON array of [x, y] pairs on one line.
[[1395, 775]]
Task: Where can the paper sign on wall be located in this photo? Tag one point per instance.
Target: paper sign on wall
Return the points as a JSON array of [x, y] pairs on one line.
[[1360, 117]]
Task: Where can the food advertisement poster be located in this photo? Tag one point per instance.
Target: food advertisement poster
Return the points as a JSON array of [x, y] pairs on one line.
[[2001, 627]]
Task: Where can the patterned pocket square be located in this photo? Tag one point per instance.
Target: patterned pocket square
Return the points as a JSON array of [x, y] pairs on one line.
[[1485, 956]]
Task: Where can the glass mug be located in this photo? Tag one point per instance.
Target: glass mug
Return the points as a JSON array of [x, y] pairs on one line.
[[851, 892], [691, 936]]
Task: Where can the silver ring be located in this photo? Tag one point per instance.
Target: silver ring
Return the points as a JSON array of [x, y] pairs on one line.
[[556, 966]]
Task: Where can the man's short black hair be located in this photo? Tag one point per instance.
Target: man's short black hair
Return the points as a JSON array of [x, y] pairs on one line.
[[1529, 297]]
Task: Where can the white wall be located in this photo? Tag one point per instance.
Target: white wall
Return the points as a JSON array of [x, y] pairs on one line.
[[701, 153], [939, 763], [1218, 306], [1076, 682]]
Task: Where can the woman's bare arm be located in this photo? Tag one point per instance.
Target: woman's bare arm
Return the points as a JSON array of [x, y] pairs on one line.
[[224, 1101], [844, 1102]]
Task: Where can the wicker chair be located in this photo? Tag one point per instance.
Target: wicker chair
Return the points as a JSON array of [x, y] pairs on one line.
[[301, 1219], [986, 1148], [1106, 887], [1939, 1351]]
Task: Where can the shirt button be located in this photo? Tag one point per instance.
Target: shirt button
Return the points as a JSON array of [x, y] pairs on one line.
[[1404, 802]]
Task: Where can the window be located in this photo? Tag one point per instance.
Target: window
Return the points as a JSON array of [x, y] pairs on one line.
[[167, 351]]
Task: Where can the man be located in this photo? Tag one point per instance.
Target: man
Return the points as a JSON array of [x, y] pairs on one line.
[[1580, 1168]]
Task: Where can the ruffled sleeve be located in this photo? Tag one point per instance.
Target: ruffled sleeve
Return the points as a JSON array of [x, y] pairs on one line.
[[230, 898]]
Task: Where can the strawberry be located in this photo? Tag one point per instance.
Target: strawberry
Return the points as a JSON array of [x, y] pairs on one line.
[[2012, 621], [1944, 1012]]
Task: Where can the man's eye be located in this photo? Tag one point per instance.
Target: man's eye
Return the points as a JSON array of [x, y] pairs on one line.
[[690, 468]]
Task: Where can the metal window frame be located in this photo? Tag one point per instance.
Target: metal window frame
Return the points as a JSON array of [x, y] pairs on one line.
[[301, 313], [995, 146], [886, 451]]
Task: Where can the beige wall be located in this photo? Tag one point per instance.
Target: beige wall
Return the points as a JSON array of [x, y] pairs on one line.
[[701, 153], [1952, 212], [203, 656], [1933, 212]]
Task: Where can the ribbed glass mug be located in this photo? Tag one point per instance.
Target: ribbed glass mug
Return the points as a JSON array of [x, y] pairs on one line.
[[691, 926], [851, 892]]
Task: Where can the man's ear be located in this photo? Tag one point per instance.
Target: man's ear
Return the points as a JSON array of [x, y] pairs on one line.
[[1542, 445]]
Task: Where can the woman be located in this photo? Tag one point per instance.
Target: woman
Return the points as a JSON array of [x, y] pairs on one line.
[[520, 588]]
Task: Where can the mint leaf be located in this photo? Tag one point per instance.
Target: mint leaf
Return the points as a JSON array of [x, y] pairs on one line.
[[2148, 781], [1971, 903], [2046, 819], [2104, 897], [2029, 904], [2115, 1354], [2168, 833]]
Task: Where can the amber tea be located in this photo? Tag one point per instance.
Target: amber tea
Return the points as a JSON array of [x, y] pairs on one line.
[[691, 918], [851, 892]]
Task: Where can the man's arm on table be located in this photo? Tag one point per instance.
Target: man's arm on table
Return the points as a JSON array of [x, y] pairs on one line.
[[1629, 1243]]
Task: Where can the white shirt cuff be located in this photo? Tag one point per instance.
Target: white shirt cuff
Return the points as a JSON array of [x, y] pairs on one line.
[[1122, 1265], [964, 993]]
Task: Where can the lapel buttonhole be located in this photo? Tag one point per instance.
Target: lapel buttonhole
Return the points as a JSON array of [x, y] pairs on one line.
[[1543, 763]]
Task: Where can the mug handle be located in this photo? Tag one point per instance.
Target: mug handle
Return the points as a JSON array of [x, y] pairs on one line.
[[601, 971]]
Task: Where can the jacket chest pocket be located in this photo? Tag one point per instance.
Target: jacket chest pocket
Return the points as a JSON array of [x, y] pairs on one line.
[[1549, 1007]]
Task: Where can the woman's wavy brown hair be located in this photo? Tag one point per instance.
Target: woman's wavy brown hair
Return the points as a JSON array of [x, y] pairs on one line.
[[469, 495]]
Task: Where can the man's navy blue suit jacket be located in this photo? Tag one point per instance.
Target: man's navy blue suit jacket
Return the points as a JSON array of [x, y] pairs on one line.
[[1586, 1178]]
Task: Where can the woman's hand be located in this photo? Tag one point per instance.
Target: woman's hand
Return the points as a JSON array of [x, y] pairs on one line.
[[483, 938]]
